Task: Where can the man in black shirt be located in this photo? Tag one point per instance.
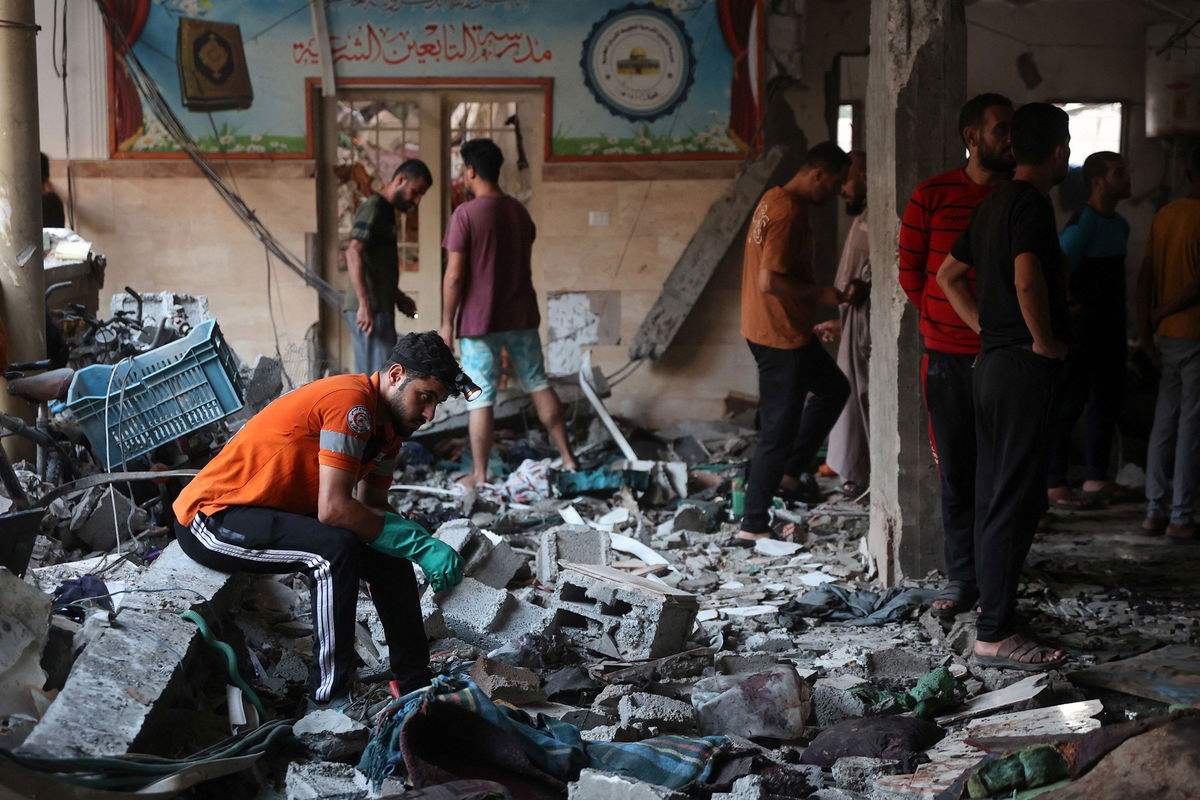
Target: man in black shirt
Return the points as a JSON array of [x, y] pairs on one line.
[[1021, 317]]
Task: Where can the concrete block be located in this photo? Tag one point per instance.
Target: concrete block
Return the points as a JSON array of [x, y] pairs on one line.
[[325, 780], [747, 787], [691, 518], [858, 773], [108, 703], [507, 683], [834, 703], [620, 615], [489, 562], [654, 711], [609, 698], [896, 666], [434, 618], [332, 736], [92, 520], [729, 662], [596, 785], [578, 544], [487, 617], [772, 704]]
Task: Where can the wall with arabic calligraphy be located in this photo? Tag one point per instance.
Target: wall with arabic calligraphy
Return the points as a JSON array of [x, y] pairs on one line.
[[649, 79]]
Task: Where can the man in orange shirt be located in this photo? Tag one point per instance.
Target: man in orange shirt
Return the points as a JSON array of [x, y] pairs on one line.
[[779, 301], [303, 488], [1169, 322]]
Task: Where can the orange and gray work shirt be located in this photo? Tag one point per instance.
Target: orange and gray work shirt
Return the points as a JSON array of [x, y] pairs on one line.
[[274, 461], [779, 240]]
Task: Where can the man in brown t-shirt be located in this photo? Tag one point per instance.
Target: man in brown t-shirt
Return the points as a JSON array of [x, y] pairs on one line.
[[779, 303]]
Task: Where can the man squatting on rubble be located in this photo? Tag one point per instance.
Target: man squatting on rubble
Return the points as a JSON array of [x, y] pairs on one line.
[[373, 264], [1018, 307], [303, 488], [779, 300], [936, 216], [488, 292]]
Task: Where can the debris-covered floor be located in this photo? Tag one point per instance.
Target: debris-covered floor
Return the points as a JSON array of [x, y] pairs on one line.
[[611, 639]]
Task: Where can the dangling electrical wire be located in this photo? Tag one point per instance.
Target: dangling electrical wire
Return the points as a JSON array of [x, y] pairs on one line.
[[148, 90]]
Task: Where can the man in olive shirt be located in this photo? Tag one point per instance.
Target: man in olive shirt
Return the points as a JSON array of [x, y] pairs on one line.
[[373, 261]]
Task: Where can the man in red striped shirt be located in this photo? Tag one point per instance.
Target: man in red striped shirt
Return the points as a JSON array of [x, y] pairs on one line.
[[937, 214]]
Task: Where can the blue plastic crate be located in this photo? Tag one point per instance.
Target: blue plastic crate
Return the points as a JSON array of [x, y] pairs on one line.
[[158, 396]]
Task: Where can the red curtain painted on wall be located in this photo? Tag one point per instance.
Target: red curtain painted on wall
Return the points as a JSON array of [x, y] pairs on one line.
[[129, 19], [739, 26]]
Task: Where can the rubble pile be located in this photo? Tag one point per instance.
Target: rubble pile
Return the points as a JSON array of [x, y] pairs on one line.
[[590, 624]]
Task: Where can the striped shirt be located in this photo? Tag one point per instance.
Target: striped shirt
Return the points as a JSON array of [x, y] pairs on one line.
[[937, 215], [274, 461]]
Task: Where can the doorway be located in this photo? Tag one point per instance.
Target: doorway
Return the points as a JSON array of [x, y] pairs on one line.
[[366, 132]]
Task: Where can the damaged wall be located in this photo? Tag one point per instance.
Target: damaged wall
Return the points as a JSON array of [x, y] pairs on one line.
[[184, 239]]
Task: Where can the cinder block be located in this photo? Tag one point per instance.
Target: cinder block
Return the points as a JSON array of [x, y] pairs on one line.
[[621, 615], [577, 544], [490, 563], [487, 617], [507, 683]]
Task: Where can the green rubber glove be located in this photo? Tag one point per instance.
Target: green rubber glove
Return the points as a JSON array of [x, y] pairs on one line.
[[404, 538]]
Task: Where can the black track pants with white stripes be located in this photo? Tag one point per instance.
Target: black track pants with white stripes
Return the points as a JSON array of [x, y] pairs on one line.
[[248, 539]]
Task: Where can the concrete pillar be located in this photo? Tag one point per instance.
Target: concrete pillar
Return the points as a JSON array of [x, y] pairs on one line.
[[21, 277], [916, 87]]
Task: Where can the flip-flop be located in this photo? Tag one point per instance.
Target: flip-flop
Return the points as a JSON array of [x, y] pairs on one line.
[[1011, 660], [1073, 503], [961, 594]]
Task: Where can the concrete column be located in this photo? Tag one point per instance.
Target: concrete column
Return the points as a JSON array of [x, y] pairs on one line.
[[916, 87], [21, 277]]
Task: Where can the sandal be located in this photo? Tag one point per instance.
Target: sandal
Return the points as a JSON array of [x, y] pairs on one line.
[[961, 594], [851, 489], [1017, 652]]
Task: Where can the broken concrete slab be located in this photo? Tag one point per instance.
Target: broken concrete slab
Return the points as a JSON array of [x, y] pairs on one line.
[[108, 703], [24, 615], [596, 785], [485, 616], [833, 701], [621, 615], [325, 780], [771, 704], [332, 736], [507, 683], [653, 712], [1169, 675], [858, 773], [578, 544], [490, 561]]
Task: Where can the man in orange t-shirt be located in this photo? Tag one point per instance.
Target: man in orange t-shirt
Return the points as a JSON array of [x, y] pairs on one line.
[[779, 303], [303, 488]]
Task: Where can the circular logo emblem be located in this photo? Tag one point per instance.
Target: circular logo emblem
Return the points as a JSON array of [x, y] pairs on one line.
[[638, 62], [359, 420]]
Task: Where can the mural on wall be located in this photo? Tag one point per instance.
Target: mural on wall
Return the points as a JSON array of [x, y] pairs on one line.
[[631, 80]]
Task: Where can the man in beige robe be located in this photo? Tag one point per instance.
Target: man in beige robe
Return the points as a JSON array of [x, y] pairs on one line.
[[849, 452]]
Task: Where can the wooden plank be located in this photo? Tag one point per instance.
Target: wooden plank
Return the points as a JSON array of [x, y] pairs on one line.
[[719, 232]]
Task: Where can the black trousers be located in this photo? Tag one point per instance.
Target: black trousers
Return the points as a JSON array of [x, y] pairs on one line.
[[792, 425], [1015, 394], [948, 378], [264, 540], [1095, 379]]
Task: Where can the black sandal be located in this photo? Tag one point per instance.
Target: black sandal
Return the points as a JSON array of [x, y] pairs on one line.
[[962, 596]]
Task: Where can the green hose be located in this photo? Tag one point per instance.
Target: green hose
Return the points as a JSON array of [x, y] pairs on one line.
[[230, 659]]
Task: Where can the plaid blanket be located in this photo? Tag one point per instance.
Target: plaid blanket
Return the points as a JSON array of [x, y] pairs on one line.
[[553, 746]]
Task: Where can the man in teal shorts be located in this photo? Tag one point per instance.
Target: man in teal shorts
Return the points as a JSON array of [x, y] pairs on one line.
[[488, 291]]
